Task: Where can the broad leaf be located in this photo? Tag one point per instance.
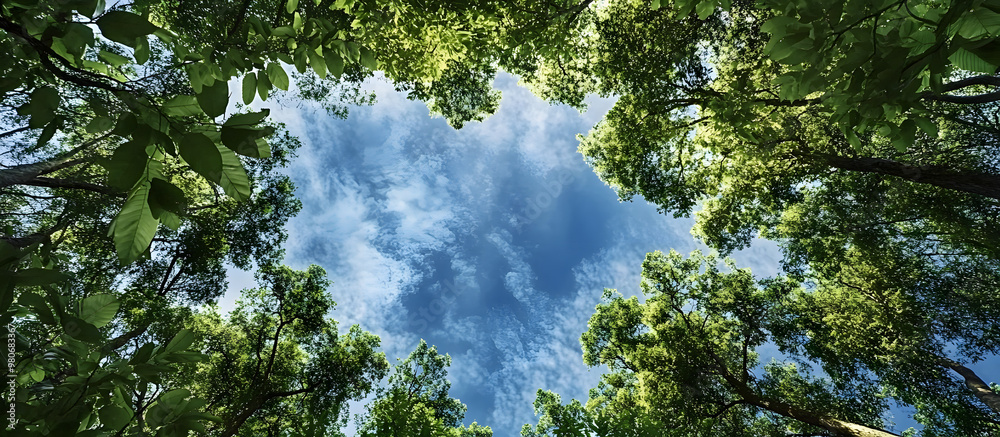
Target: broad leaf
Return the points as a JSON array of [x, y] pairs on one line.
[[99, 309], [277, 76], [234, 180], [135, 225], [202, 155], [215, 98], [124, 27]]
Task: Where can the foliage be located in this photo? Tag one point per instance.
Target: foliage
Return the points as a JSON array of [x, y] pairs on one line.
[[276, 363], [686, 356], [416, 401]]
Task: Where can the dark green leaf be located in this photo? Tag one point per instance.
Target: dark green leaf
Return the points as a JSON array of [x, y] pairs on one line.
[[127, 165], [214, 99], [202, 155], [37, 276], [165, 197], [181, 341], [80, 330], [249, 88], [124, 27]]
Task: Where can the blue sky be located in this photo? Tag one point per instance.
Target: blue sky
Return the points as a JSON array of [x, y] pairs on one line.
[[493, 242]]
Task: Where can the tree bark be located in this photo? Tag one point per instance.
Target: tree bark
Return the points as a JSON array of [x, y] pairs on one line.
[[981, 184], [979, 388]]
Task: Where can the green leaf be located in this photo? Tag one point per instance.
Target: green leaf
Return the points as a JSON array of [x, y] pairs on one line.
[[99, 124], [37, 374], [234, 180], [240, 135], [243, 140], [41, 107], [202, 155], [126, 124], [263, 85], [80, 330], [214, 99], [978, 23], [906, 136], [127, 165], [249, 88], [182, 106], [705, 8], [967, 60], [99, 309], [49, 131], [124, 27], [353, 51], [334, 63], [655, 5], [926, 125], [165, 197], [89, 8], [277, 76], [114, 417], [368, 58], [291, 5], [317, 63], [134, 227], [181, 341], [185, 357], [38, 305], [114, 59], [141, 52]]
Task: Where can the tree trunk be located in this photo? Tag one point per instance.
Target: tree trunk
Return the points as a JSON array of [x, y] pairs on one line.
[[836, 426], [982, 184], [979, 387]]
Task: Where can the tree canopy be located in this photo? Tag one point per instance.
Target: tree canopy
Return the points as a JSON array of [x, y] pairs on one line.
[[139, 161]]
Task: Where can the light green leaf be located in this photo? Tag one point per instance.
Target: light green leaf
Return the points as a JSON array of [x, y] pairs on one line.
[[967, 60], [291, 5], [99, 309], [705, 8], [182, 106], [234, 180], [277, 76], [135, 226]]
